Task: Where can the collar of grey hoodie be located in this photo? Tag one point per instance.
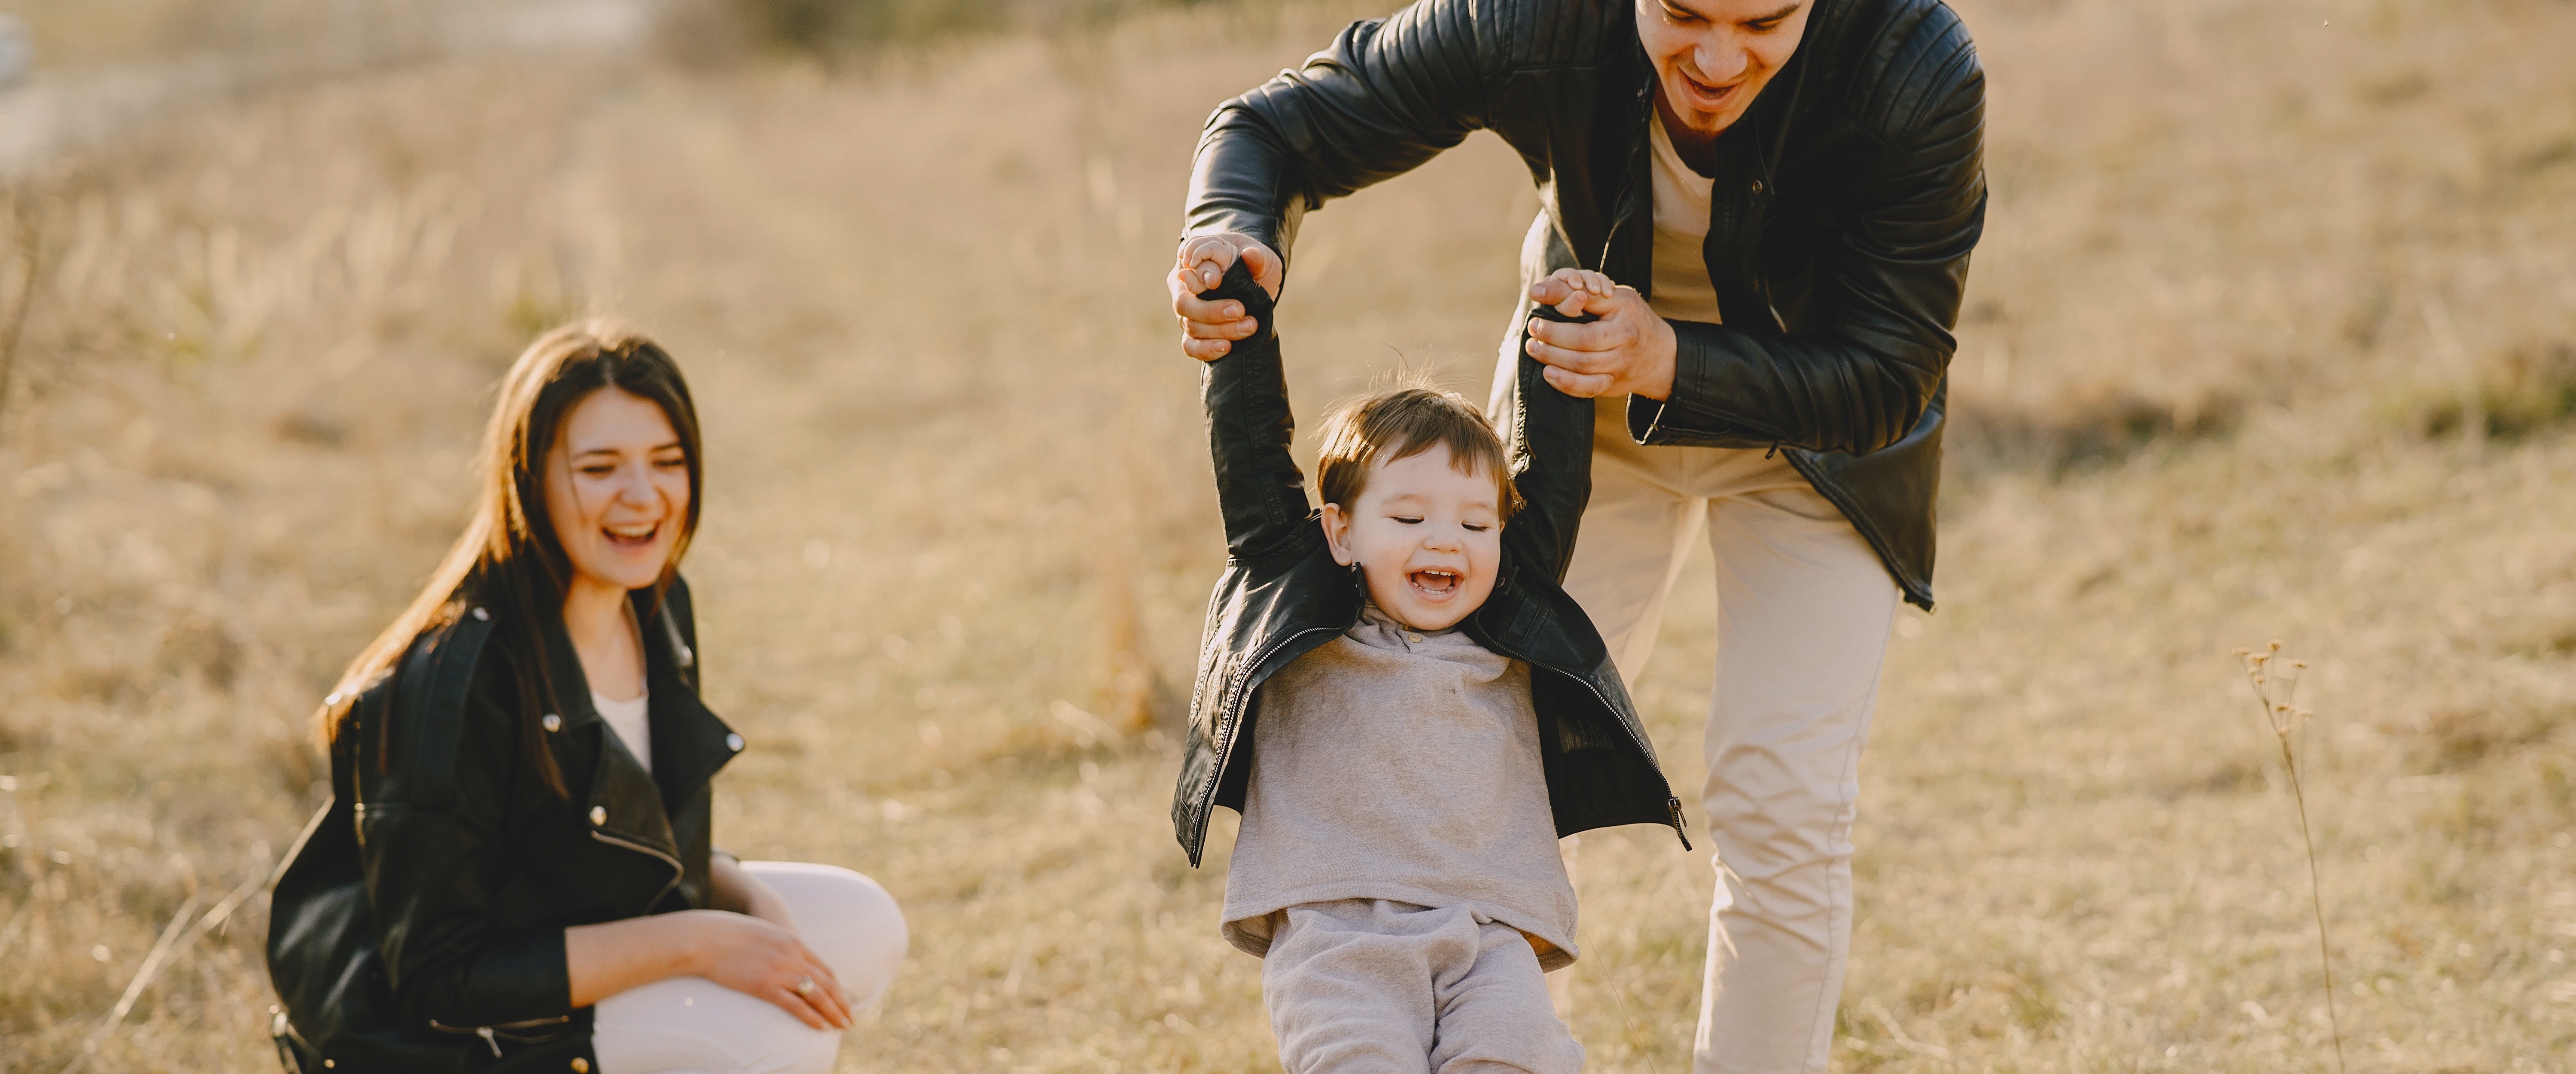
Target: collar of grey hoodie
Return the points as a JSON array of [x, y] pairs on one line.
[[1377, 627]]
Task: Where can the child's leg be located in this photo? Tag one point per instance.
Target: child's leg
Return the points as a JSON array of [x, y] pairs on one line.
[[1495, 1016], [1350, 984]]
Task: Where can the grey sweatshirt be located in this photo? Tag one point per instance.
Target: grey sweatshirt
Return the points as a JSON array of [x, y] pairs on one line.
[[1393, 764]]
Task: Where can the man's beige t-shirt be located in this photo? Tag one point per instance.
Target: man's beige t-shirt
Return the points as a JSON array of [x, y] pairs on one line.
[[1682, 290]]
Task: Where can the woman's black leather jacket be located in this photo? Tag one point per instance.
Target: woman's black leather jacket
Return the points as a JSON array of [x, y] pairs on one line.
[[1845, 204], [419, 925], [1282, 595]]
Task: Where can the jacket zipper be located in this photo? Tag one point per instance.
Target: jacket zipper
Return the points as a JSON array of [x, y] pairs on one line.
[[1672, 802], [492, 1034], [677, 871], [1234, 713]]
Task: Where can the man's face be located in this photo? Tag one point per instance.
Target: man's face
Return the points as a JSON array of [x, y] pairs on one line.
[[1712, 57]]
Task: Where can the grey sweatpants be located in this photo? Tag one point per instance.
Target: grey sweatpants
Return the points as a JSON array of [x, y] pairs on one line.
[[1368, 986]]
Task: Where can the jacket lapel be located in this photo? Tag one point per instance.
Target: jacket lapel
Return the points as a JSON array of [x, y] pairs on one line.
[[1628, 250], [626, 802], [690, 743]]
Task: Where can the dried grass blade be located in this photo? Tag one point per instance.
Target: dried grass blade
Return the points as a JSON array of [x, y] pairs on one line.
[[17, 917], [23, 229], [223, 911], [1897, 1033], [142, 979]]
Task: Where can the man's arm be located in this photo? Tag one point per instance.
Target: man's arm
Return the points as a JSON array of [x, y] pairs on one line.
[[1388, 95], [1250, 429]]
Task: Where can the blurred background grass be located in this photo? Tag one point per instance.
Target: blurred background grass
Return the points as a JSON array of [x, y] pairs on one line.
[[2273, 334]]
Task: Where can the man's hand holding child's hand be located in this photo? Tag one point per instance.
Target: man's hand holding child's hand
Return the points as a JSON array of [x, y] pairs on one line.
[[1208, 328], [1628, 351]]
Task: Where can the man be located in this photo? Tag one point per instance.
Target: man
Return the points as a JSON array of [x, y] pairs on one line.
[[1788, 192]]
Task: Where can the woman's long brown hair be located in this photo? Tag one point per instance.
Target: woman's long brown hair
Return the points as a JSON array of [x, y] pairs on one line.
[[509, 559]]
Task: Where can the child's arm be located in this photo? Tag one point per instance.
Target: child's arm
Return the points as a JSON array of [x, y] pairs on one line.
[[1551, 447], [1258, 486]]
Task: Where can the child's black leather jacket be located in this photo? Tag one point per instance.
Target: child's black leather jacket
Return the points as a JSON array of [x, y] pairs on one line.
[[1282, 595], [419, 924]]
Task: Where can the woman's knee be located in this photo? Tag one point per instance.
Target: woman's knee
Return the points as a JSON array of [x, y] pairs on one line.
[[849, 920]]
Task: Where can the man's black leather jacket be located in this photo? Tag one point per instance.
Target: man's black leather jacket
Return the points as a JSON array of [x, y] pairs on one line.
[[1845, 204], [419, 925], [1282, 595]]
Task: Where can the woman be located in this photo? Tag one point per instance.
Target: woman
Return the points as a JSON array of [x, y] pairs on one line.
[[514, 872]]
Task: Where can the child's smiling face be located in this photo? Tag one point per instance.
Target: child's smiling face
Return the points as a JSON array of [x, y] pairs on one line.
[[1427, 536]]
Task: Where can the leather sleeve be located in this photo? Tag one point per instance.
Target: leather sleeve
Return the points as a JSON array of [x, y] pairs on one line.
[[434, 861], [1551, 452], [1887, 295], [1250, 429], [1388, 95]]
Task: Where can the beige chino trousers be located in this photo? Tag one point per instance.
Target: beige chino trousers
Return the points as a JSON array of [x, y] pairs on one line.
[[1803, 612]]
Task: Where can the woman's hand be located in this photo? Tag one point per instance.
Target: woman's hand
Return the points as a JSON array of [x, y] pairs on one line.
[[750, 955], [1629, 351], [1208, 328], [763, 960]]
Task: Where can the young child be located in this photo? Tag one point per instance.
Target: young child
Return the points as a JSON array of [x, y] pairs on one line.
[[1408, 711]]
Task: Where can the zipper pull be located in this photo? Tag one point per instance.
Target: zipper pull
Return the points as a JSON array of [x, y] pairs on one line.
[[485, 1032], [1675, 805]]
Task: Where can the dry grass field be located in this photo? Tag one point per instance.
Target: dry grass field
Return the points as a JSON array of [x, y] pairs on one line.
[[2273, 335]]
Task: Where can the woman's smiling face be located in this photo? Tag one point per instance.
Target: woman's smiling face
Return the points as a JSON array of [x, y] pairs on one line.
[[617, 488], [1428, 539]]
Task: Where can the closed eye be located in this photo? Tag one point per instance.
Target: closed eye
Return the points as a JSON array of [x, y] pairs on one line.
[[1473, 527], [598, 470], [1409, 520]]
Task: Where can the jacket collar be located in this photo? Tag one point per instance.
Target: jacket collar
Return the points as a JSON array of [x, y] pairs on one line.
[[690, 743]]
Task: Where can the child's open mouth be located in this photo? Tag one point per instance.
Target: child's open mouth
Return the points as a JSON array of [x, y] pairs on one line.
[[637, 536], [1435, 582]]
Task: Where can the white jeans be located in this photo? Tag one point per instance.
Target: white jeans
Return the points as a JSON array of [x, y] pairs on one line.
[[691, 1025], [1803, 611]]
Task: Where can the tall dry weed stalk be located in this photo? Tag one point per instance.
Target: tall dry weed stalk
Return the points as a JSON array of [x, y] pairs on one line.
[[21, 227], [2285, 718]]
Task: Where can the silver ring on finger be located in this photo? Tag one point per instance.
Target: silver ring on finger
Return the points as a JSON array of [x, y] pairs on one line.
[[805, 986]]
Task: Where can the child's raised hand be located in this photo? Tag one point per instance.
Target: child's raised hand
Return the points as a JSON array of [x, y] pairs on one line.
[[1571, 290]]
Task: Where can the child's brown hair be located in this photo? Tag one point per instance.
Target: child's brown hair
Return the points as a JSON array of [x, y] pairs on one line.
[[1400, 423]]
